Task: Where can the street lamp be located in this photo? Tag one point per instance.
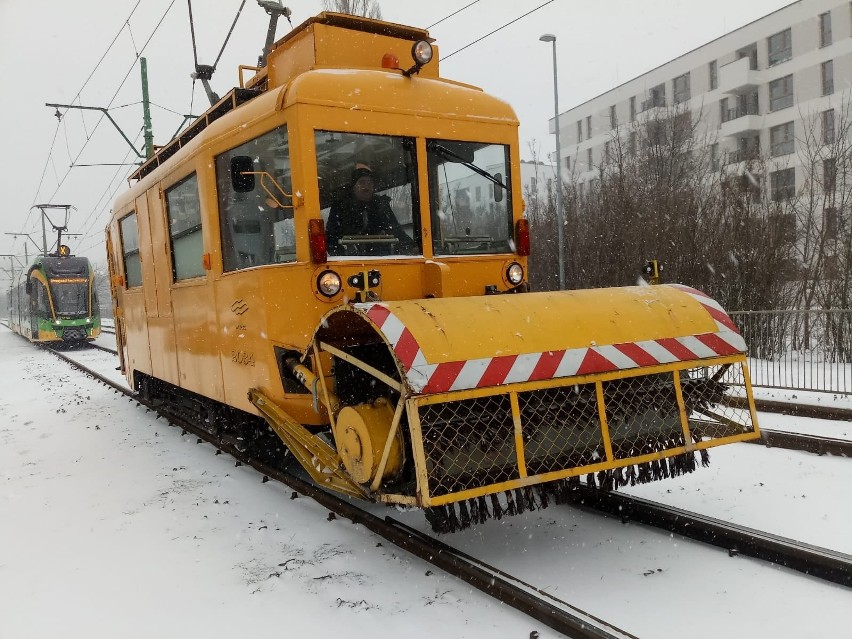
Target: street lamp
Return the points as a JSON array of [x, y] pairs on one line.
[[549, 37]]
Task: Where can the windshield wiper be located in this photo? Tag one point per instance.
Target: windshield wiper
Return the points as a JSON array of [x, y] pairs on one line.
[[449, 155]]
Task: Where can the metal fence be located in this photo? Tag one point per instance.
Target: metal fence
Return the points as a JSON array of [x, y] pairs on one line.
[[798, 350]]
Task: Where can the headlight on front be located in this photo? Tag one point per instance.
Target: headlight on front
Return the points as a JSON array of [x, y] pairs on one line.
[[515, 273], [329, 283]]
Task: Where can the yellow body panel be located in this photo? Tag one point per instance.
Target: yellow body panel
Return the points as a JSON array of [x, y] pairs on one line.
[[539, 322]]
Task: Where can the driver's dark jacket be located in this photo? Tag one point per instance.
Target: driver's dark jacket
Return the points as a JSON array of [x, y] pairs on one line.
[[354, 217]]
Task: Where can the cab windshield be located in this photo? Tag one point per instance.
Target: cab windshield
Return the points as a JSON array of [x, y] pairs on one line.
[[368, 194], [70, 298], [471, 206]]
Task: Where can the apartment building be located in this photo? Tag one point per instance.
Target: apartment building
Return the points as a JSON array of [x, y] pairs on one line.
[[757, 89]]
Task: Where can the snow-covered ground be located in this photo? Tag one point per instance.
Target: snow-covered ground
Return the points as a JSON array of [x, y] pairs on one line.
[[112, 524]]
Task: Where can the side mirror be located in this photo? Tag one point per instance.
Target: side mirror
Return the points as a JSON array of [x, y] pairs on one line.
[[498, 190], [242, 178]]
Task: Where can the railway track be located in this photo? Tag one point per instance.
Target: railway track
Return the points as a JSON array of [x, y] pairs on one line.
[[812, 560], [524, 597], [818, 562]]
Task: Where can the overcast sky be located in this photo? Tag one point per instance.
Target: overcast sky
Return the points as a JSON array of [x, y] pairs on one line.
[[51, 51]]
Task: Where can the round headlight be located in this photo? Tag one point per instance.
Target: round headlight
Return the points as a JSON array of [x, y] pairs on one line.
[[329, 283], [515, 273], [421, 52]]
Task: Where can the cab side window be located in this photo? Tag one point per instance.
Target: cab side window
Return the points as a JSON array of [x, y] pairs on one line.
[[130, 251], [184, 213], [42, 299], [256, 220]]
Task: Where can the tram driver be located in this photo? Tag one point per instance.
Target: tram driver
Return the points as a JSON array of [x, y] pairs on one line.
[[363, 223]]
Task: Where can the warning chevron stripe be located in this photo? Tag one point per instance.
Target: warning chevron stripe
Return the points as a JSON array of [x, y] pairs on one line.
[[425, 377]]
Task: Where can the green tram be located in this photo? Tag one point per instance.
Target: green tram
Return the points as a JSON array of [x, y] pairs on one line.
[[55, 300]]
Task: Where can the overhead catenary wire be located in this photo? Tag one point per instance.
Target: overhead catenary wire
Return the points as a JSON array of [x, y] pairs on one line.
[[452, 14], [76, 97], [120, 86], [227, 37], [490, 33], [139, 52]]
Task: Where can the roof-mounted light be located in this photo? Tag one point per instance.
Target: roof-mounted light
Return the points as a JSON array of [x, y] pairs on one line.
[[421, 52]]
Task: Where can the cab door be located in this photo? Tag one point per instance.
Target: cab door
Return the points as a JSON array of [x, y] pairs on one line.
[[158, 302]]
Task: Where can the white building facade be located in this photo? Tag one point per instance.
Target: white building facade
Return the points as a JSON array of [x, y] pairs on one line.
[[758, 89]]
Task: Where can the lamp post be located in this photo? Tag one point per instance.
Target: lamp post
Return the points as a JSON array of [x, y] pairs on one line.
[[549, 37]]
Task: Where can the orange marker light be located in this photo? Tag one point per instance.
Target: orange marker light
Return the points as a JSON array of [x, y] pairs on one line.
[[522, 237], [319, 248], [390, 61]]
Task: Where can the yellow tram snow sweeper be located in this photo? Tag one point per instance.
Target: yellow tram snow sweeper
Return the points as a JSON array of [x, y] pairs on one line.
[[336, 253]]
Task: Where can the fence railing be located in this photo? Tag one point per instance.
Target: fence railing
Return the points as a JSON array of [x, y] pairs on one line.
[[798, 350]]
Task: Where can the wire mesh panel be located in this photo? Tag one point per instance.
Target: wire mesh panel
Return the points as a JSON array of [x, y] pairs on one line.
[[560, 428], [468, 443], [710, 415], [643, 415], [472, 443]]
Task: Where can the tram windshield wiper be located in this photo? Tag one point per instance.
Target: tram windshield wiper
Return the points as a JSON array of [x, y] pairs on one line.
[[445, 153]]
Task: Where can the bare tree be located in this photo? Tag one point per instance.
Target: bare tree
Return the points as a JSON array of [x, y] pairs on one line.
[[541, 213], [366, 8]]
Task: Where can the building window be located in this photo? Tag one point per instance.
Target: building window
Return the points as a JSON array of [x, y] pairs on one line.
[[613, 119], [825, 29], [748, 148], [606, 151], [783, 184], [588, 127], [680, 88], [589, 158], [656, 97], [478, 190], [714, 156], [632, 108], [831, 267], [747, 187], [781, 139], [827, 69], [579, 131], [828, 127], [633, 144], [749, 52], [713, 71], [829, 175], [783, 227], [829, 223], [723, 110], [532, 187], [568, 163], [780, 47], [781, 93]]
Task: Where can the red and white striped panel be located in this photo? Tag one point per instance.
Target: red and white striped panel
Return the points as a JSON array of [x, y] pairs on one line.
[[425, 377]]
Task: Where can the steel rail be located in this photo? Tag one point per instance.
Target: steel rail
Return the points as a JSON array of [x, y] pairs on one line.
[[796, 410], [537, 604], [823, 563], [808, 443]]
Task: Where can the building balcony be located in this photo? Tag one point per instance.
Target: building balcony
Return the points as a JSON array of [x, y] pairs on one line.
[[738, 77], [735, 161], [741, 122]]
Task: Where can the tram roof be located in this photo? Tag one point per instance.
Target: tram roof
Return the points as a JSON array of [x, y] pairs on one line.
[[352, 49]]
